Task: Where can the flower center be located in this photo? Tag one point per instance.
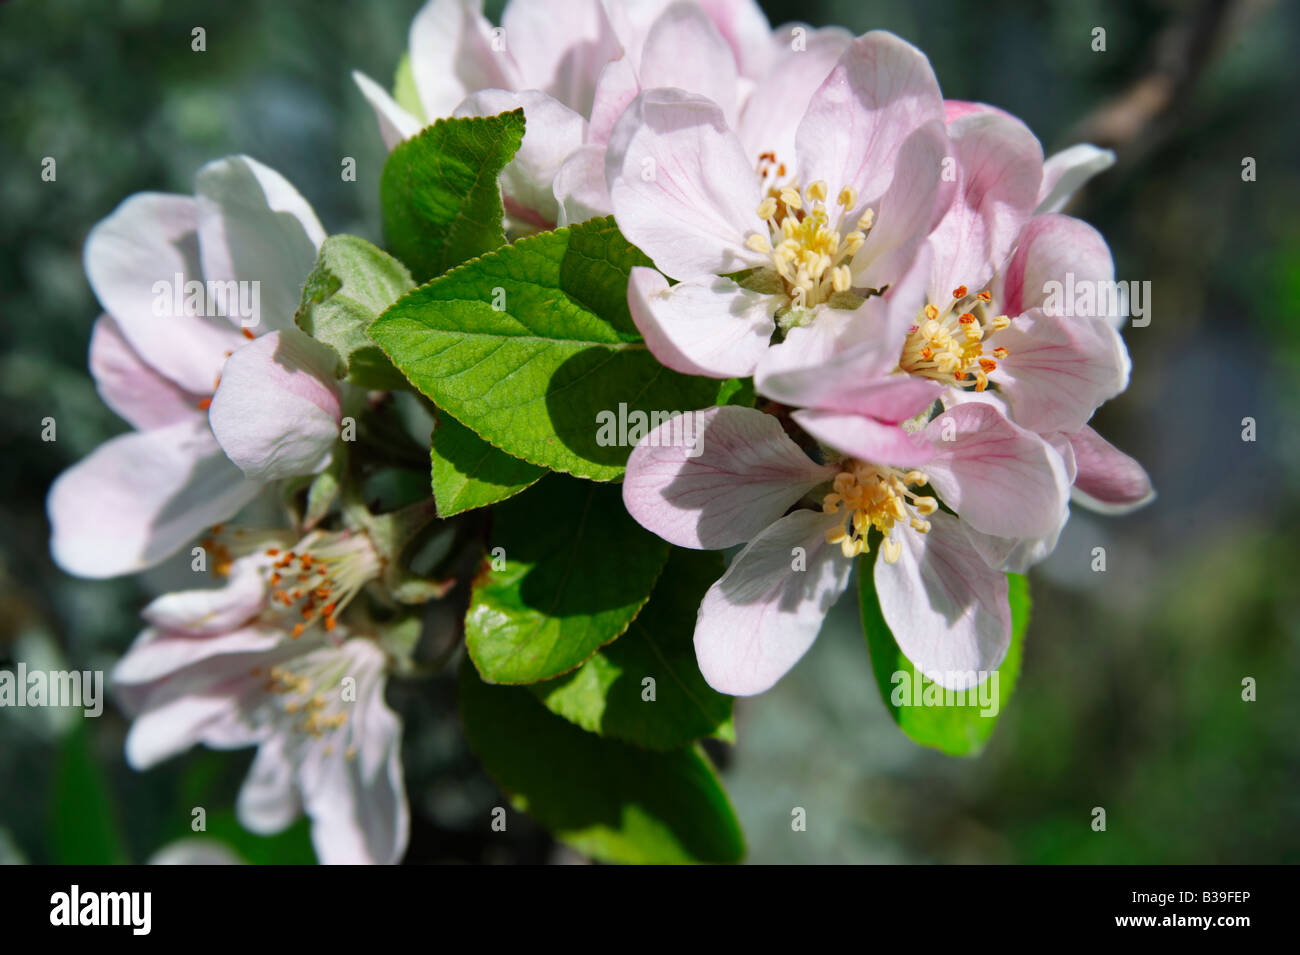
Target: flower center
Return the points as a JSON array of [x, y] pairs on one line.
[[808, 252], [309, 692], [321, 575], [949, 346], [874, 496]]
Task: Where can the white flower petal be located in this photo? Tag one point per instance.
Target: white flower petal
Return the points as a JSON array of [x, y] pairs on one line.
[[277, 413], [764, 613], [709, 327], [139, 497]]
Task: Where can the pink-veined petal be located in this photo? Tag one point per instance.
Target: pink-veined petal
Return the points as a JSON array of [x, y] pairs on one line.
[[138, 498], [709, 327], [865, 438], [998, 477], [681, 187], [715, 478], [255, 230], [560, 48], [130, 386], [277, 413], [880, 91], [685, 50], [946, 607], [579, 187], [999, 167], [1059, 370], [1052, 249], [771, 115], [764, 613], [1108, 481], [139, 261]]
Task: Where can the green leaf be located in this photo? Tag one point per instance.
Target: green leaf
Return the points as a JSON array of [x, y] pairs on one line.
[[85, 823], [606, 694], [958, 730], [607, 799], [575, 569], [468, 472], [737, 391], [533, 348], [439, 191], [353, 282]]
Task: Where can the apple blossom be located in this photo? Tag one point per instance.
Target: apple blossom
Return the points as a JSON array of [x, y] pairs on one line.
[[843, 215], [223, 392], [264, 661], [947, 607]]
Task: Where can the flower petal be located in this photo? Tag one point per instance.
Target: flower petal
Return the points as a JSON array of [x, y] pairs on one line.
[[452, 55], [715, 478], [681, 187], [709, 327], [135, 259], [915, 202], [1065, 172], [947, 609], [560, 48], [746, 30], [780, 99], [395, 123], [685, 50], [130, 386], [1109, 480], [1052, 249], [764, 613], [880, 91], [255, 228], [215, 610], [1058, 370], [358, 804], [276, 412], [865, 438], [157, 654], [552, 133], [139, 497], [999, 168], [998, 477], [268, 800], [579, 187]]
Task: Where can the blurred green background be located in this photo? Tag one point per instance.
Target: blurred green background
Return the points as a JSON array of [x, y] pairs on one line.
[[1131, 695]]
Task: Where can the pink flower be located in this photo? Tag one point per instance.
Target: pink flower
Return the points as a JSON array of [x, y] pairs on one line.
[[198, 352], [814, 230], [230, 668], [573, 67], [736, 481]]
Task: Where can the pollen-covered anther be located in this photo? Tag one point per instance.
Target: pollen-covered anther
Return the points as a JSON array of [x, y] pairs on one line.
[[934, 348], [808, 251], [874, 496]]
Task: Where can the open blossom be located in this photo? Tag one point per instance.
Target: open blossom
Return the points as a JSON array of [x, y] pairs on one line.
[[198, 352], [574, 66], [846, 211], [265, 661], [1049, 369], [870, 485]]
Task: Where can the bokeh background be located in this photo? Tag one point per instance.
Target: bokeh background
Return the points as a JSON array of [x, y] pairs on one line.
[[1131, 695]]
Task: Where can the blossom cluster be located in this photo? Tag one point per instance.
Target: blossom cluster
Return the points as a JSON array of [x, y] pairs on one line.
[[811, 214]]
